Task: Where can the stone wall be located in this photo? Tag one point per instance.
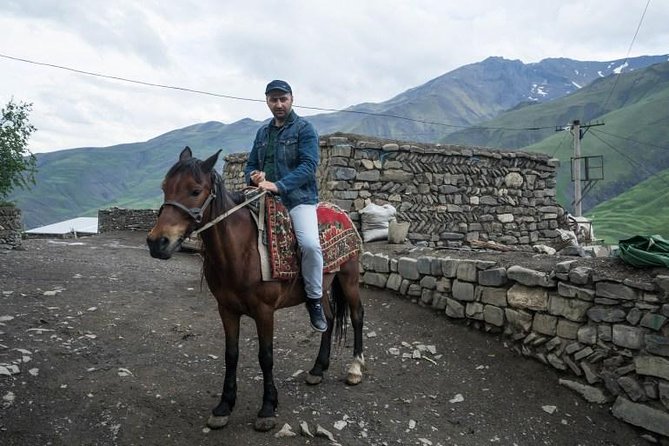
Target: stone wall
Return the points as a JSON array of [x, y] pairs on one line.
[[609, 337], [120, 219], [449, 194], [10, 227]]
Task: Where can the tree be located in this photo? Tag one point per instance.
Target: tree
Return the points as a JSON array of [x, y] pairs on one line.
[[17, 163]]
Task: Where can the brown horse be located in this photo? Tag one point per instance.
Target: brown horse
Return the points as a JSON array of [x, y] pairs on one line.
[[194, 195]]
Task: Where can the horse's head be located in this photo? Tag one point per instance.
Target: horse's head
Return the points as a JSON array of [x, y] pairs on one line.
[[188, 190]]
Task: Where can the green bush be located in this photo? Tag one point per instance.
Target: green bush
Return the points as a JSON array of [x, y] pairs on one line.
[[17, 164]]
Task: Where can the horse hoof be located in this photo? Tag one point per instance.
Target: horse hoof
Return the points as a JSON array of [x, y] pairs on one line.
[[353, 379], [215, 422], [313, 380], [264, 424]]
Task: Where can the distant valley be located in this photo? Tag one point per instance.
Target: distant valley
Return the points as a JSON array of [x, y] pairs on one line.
[[480, 104]]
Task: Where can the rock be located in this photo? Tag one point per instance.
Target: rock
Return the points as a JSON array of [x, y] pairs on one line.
[[521, 296], [341, 424], [408, 268], [457, 399], [657, 345], [591, 394], [463, 291], [286, 431], [573, 309], [529, 277], [454, 309], [549, 409], [304, 429], [544, 249], [492, 277], [653, 321], [628, 337], [568, 290], [580, 275], [322, 432], [587, 334], [617, 291], [632, 388], [642, 416], [652, 366]]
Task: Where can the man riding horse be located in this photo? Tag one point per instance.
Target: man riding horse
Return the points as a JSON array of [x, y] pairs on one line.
[[283, 160]]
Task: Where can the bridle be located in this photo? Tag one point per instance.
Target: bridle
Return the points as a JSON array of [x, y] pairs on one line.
[[194, 213], [198, 213]]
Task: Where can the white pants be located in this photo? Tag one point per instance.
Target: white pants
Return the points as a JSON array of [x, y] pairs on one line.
[[305, 224]]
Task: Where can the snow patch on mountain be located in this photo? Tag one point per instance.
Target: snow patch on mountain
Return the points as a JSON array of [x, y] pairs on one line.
[[620, 68]]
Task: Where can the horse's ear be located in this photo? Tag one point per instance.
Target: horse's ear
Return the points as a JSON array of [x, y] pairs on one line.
[[186, 154], [208, 164]]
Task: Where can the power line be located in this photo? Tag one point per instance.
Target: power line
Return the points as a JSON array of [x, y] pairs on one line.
[[633, 140], [632, 162], [241, 98], [615, 83], [564, 138]]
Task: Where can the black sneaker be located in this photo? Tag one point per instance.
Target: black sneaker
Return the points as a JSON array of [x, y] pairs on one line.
[[317, 315]]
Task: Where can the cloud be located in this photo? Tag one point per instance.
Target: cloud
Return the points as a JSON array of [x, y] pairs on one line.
[[334, 54]]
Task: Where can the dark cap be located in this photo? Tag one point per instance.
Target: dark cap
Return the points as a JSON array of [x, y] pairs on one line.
[[277, 85]]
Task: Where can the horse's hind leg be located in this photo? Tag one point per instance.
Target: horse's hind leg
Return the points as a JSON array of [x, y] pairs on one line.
[[351, 291], [221, 413]]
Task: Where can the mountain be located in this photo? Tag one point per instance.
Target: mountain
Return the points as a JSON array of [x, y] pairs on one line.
[[633, 143], [77, 182], [472, 94]]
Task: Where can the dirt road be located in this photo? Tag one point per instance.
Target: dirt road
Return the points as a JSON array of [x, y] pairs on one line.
[[113, 347]]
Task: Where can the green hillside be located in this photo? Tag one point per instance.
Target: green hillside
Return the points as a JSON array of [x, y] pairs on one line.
[[637, 112], [78, 182], [642, 210]]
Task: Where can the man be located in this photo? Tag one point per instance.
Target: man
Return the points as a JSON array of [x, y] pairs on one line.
[[284, 160]]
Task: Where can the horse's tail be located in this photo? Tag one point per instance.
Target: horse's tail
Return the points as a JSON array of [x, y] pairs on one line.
[[339, 310]]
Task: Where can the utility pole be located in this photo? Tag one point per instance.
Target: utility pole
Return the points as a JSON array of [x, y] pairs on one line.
[[578, 131], [576, 165]]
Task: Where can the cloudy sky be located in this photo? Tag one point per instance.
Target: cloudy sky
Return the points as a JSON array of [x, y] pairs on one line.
[[334, 54]]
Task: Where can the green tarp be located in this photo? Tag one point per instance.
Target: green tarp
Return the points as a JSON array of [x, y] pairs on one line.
[[645, 250]]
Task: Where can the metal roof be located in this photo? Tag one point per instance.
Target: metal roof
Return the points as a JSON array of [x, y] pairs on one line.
[[80, 225]]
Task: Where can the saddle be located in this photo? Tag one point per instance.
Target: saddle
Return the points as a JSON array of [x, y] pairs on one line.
[[277, 244]]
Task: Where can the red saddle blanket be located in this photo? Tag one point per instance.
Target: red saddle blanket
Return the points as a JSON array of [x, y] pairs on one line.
[[340, 240]]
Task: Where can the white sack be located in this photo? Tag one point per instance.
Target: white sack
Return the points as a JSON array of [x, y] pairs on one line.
[[375, 221]]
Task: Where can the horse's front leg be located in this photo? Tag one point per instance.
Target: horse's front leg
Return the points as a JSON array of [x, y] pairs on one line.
[[221, 413], [270, 399]]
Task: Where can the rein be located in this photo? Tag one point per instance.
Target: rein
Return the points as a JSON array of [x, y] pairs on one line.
[[226, 213]]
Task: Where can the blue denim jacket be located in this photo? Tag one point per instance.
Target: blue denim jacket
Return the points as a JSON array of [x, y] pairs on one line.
[[297, 156]]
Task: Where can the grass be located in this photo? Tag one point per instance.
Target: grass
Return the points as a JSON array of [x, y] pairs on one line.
[[643, 210]]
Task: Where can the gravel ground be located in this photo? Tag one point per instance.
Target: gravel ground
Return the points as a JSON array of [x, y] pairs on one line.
[[113, 347]]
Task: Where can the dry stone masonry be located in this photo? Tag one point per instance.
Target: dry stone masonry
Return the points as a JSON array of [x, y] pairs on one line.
[[120, 219], [449, 194], [610, 338], [10, 227]]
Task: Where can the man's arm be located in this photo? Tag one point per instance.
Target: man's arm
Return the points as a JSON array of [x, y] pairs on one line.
[[252, 164]]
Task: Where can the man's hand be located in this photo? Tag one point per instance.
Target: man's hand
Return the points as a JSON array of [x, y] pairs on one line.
[[268, 186], [257, 177]]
